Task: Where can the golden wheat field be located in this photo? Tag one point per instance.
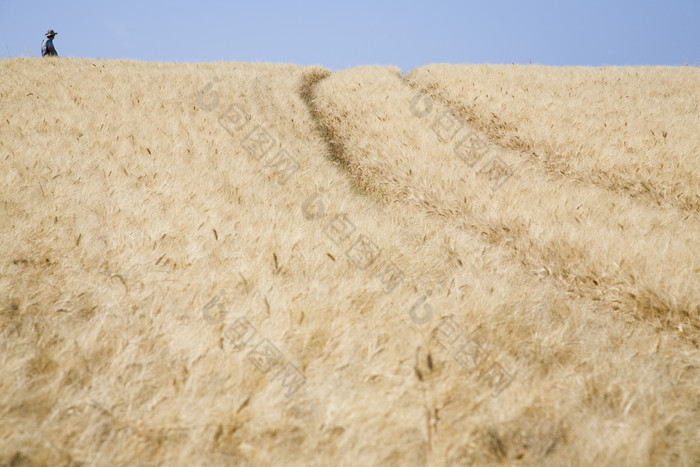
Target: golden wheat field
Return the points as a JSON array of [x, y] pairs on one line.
[[258, 264]]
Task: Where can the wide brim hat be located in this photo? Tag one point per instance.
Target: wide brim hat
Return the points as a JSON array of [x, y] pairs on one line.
[[51, 33]]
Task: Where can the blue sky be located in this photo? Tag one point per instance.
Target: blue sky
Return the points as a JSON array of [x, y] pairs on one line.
[[343, 34]]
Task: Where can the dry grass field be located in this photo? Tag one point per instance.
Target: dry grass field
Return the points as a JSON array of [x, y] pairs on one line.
[[257, 264]]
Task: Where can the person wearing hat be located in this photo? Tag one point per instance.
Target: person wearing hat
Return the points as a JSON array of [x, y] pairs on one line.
[[47, 47]]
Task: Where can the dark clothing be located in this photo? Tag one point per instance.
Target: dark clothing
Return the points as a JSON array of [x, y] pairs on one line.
[[47, 48]]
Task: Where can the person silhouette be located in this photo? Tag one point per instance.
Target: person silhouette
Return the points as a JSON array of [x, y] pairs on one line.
[[47, 48]]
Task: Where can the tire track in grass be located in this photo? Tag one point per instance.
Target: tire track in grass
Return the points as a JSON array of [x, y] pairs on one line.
[[647, 188], [631, 257]]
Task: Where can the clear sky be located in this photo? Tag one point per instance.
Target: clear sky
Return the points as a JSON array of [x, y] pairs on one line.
[[338, 35]]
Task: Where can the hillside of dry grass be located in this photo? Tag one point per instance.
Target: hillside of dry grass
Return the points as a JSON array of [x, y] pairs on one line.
[[266, 264]]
